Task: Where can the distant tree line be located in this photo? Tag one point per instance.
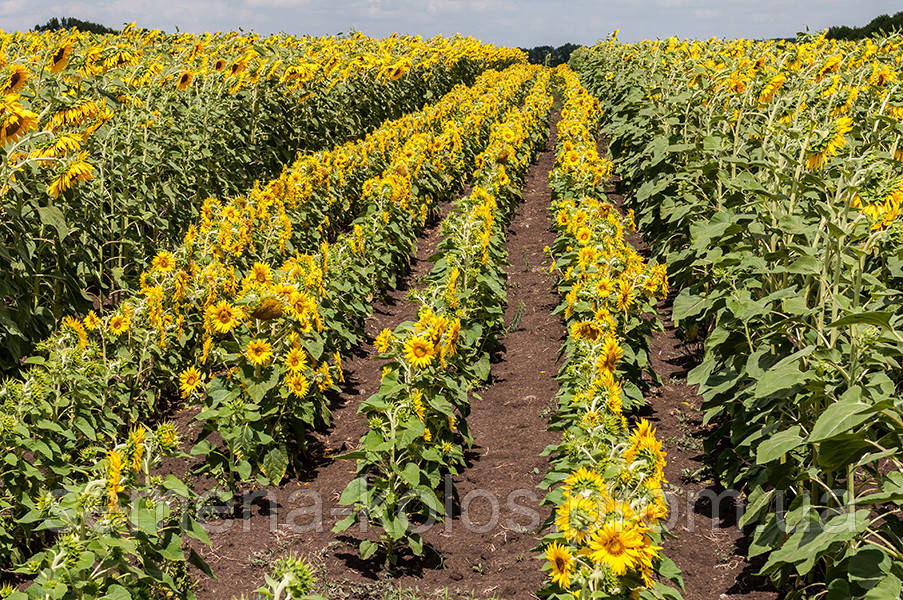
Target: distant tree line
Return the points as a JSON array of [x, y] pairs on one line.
[[557, 56], [880, 25], [69, 22]]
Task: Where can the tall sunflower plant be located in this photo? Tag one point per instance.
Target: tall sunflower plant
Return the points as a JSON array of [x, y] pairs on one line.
[[112, 142]]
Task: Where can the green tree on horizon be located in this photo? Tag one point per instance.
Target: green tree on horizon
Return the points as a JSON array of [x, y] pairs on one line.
[[880, 25], [55, 23]]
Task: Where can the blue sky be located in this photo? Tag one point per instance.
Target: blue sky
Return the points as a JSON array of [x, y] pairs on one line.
[[506, 22]]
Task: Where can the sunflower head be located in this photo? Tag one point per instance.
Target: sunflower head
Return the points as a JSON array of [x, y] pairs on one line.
[[189, 380], [561, 564], [258, 352], [60, 58], [418, 352], [576, 517], [119, 324], [185, 80], [16, 79]]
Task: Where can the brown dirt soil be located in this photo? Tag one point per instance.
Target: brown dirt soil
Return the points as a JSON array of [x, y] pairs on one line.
[[498, 489], [708, 548]]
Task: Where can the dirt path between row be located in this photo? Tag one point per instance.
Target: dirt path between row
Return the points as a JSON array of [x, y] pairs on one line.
[[484, 550]]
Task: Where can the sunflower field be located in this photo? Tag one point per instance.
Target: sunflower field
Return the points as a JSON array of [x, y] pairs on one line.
[[113, 142], [201, 231], [768, 177]]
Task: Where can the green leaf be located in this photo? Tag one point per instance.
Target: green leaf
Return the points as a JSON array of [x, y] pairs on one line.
[[53, 216], [805, 265], [778, 445], [144, 518], [275, 464], [877, 318], [667, 569], [173, 484], [481, 367], [344, 524], [367, 549], [686, 305], [172, 549], [117, 592], [411, 474], [887, 589], [415, 543], [869, 564], [780, 377], [244, 470], [355, 491], [838, 418], [195, 560], [259, 388], [396, 526]]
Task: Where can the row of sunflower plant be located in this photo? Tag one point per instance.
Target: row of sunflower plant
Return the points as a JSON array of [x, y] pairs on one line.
[[768, 176], [418, 417], [606, 475], [257, 339], [111, 142]]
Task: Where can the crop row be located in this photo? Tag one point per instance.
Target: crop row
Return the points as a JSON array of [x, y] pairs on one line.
[[768, 176], [606, 476], [418, 418], [250, 338], [112, 142]]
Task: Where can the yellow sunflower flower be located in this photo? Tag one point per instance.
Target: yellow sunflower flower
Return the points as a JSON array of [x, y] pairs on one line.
[[258, 352], [418, 352], [561, 560], [189, 380]]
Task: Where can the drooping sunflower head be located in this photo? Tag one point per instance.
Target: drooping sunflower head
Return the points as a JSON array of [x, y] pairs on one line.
[[185, 80], [583, 482], [16, 78], [609, 355], [166, 437], [383, 342], [60, 58], [587, 330], [576, 517]]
